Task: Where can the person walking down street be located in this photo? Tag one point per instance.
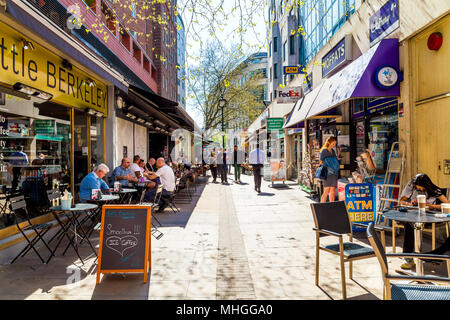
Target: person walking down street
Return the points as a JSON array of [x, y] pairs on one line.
[[328, 158], [213, 165], [421, 184], [222, 158], [238, 159], [256, 160]]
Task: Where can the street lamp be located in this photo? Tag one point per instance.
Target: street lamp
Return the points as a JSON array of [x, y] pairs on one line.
[[222, 103]]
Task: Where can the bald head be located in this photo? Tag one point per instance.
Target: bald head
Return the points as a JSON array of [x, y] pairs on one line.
[[126, 162], [160, 162]]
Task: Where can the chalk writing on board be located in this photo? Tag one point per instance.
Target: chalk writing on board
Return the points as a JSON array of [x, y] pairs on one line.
[[120, 244]]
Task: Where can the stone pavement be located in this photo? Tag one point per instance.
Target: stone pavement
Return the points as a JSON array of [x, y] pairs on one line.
[[229, 243]]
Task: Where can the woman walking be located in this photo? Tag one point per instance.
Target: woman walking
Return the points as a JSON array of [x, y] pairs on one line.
[[327, 156], [213, 165]]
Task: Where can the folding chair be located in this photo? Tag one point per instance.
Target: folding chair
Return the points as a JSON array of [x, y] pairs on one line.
[[155, 202], [332, 219], [408, 291], [19, 204]]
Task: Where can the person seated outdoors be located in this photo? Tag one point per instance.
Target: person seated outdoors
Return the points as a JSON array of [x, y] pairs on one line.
[[167, 178], [420, 184], [94, 180], [34, 192], [134, 168], [123, 174], [151, 164]]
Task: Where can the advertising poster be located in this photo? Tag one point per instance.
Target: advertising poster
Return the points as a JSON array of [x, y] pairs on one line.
[[277, 170], [359, 199]]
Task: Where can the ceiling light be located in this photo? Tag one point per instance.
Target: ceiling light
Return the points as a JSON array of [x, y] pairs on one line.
[[92, 112], [27, 44], [120, 102], [32, 91]]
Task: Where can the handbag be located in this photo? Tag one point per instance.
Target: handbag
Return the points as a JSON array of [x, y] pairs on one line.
[[321, 173]]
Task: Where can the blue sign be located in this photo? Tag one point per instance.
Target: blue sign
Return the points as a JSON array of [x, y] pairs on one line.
[[339, 55], [360, 202], [384, 22]]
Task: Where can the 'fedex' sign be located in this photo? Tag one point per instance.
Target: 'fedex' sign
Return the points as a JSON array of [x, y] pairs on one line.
[[288, 95]]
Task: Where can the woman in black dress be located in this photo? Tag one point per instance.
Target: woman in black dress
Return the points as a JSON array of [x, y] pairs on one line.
[[330, 184]]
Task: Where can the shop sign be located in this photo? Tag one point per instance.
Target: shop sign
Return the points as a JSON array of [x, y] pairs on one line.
[[360, 203], [275, 124], [384, 22], [288, 95], [308, 83], [386, 77], [381, 105], [41, 69], [293, 70], [293, 131], [338, 56]]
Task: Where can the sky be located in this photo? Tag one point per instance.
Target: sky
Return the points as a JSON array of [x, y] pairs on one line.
[[225, 28]]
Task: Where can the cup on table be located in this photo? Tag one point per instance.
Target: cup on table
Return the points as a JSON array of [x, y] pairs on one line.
[[445, 208], [116, 186], [422, 203]]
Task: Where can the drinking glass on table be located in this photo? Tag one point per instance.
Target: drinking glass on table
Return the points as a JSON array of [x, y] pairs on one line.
[[422, 203]]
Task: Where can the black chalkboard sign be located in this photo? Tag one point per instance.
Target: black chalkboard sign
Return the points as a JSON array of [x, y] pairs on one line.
[[124, 240]]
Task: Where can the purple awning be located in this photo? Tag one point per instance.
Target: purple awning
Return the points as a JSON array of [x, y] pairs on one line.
[[357, 80]]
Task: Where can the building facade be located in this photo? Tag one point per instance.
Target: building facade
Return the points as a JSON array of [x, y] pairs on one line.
[[181, 63], [392, 38]]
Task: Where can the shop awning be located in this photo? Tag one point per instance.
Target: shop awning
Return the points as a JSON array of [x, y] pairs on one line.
[[163, 109], [357, 80], [301, 108]]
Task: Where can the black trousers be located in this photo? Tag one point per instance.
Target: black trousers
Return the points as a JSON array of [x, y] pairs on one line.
[[223, 169], [257, 175], [214, 172], [408, 241]]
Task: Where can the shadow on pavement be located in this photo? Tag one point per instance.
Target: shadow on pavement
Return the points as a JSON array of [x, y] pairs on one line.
[[170, 219], [266, 194]]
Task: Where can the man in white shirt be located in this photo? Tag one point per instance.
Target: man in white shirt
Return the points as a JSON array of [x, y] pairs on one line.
[[134, 168], [167, 178], [256, 159]]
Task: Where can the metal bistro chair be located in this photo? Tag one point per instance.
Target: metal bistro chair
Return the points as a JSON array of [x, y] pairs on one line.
[[332, 219], [408, 291], [155, 201], [19, 204]]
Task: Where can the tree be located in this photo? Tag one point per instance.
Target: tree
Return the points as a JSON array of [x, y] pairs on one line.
[[221, 73]]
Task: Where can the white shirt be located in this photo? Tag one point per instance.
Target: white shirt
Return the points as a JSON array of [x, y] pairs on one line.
[[167, 178], [256, 157], [135, 168]]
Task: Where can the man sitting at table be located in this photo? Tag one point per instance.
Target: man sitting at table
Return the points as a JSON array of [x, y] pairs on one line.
[[123, 174], [167, 178], [94, 180], [151, 164], [420, 184]]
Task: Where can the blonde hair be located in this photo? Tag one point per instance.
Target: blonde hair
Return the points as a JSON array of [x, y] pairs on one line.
[[328, 142]]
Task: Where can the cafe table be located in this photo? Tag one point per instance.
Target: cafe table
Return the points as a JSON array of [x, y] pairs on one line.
[[125, 195], [74, 225], [418, 221]]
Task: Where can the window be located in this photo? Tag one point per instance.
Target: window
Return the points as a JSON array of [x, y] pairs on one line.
[[270, 49], [275, 71], [146, 64], [292, 45], [284, 50], [108, 18], [124, 38], [133, 34], [133, 9], [137, 54], [270, 74], [275, 44]]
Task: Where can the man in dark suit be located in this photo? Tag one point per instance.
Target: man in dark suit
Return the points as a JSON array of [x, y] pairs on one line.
[[151, 165], [222, 158]]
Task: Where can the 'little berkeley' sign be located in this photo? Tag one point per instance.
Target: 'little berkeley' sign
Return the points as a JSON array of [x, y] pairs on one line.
[[384, 22]]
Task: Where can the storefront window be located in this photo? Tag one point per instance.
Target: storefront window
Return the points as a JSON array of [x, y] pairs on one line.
[[96, 134], [81, 150], [383, 132], [34, 148]]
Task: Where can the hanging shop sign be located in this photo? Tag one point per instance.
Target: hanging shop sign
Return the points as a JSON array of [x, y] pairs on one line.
[[294, 131], [288, 95], [340, 55], [360, 203], [293, 70], [125, 242], [275, 124], [36, 71], [384, 22], [386, 77]]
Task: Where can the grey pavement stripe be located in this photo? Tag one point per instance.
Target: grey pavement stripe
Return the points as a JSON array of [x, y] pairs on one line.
[[234, 280]]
